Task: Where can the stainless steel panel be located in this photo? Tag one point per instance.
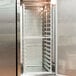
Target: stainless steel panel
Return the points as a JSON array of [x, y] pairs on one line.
[[67, 37], [7, 38]]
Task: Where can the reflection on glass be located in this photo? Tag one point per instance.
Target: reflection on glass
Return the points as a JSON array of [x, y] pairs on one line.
[[38, 37]]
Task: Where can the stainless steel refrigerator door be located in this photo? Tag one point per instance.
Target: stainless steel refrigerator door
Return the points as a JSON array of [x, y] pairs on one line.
[[7, 38], [67, 37]]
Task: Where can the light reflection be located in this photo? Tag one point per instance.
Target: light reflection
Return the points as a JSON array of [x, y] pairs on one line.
[[53, 1]]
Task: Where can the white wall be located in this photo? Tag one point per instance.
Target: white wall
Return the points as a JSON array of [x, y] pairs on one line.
[[66, 35]]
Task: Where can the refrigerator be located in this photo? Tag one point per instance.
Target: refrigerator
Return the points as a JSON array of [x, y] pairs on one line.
[[38, 37], [8, 37]]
